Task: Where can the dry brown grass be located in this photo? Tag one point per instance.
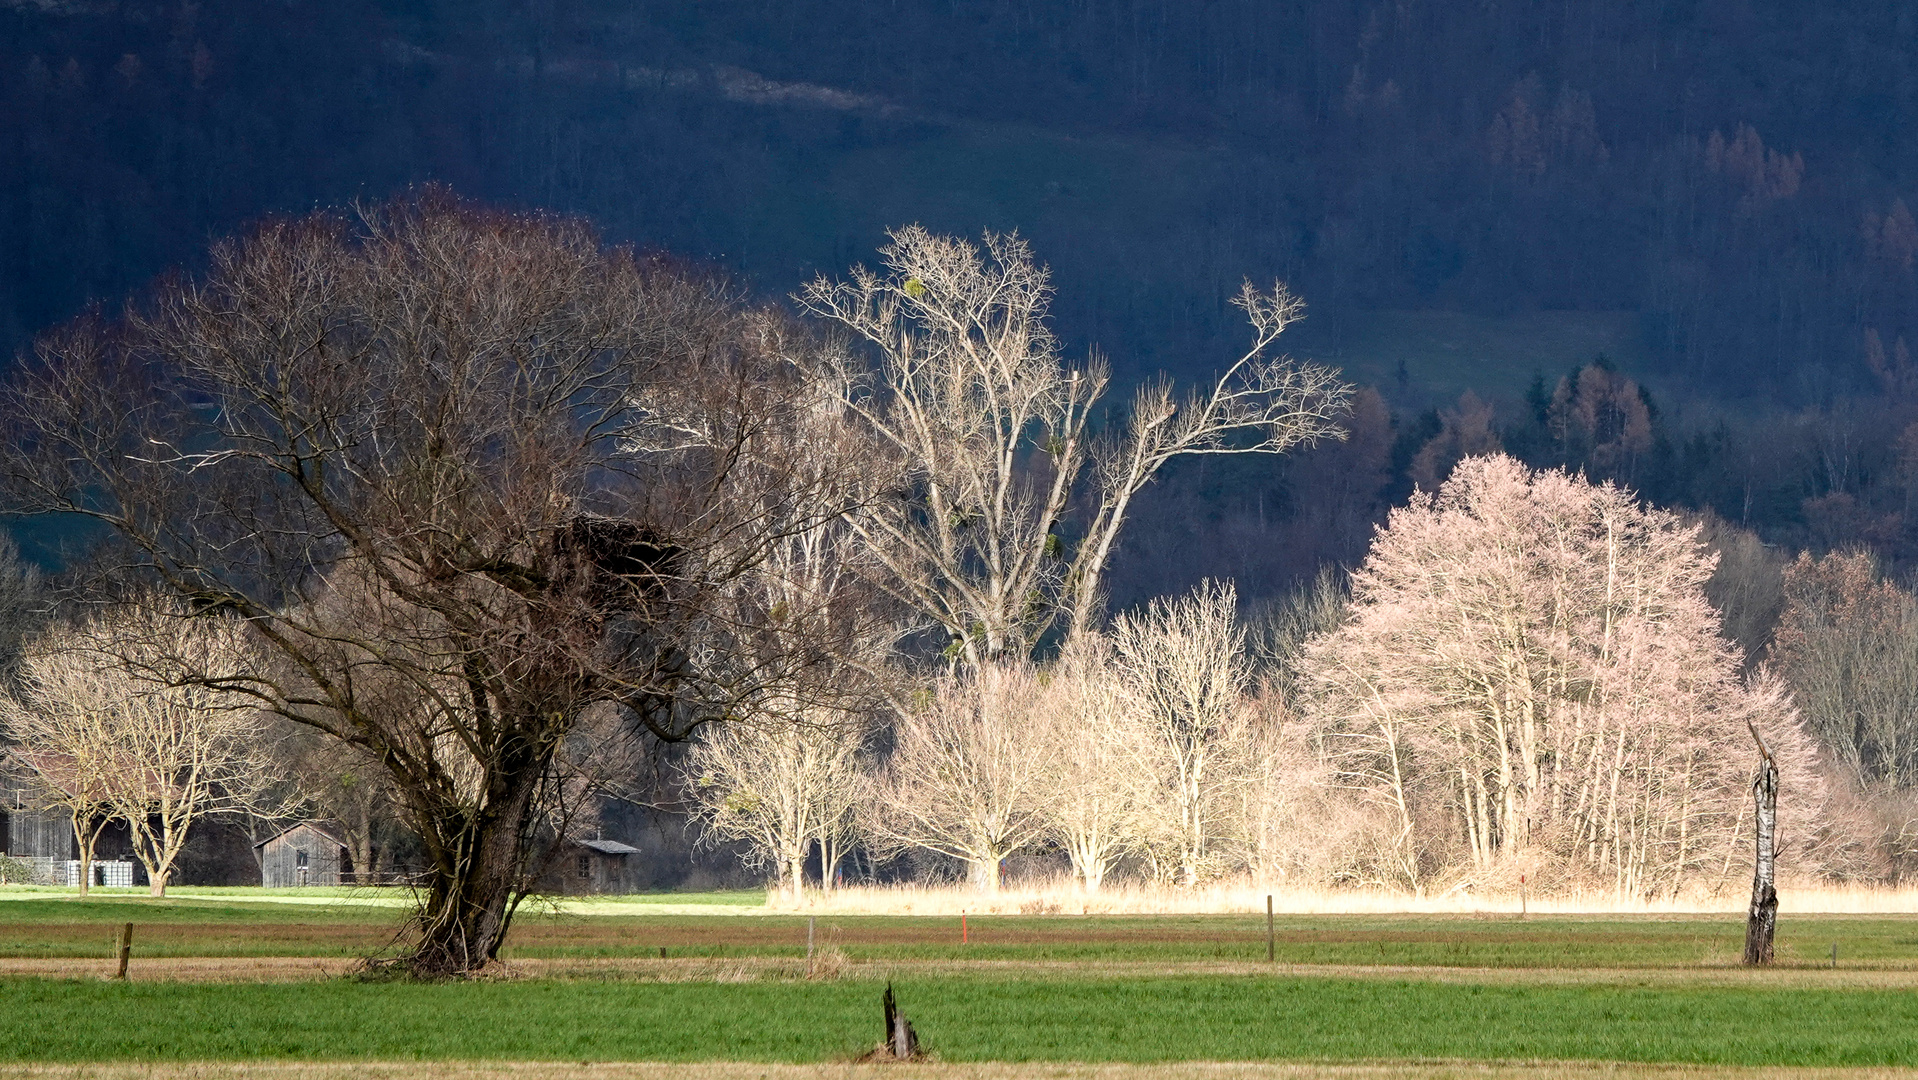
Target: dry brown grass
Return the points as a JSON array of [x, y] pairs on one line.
[[236, 969], [766, 969], [460, 1070], [1244, 897]]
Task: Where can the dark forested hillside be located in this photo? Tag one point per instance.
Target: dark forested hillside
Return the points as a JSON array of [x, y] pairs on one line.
[[1715, 195]]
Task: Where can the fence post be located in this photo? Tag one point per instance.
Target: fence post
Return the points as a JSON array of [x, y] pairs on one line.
[[1271, 952], [126, 949]]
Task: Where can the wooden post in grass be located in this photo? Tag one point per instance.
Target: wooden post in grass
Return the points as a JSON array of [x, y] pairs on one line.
[[1271, 951], [126, 949], [1521, 896], [1762, 920]]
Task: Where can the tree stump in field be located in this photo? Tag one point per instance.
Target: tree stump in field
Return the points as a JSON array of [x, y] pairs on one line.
[[901, 1042], [1762, 920]]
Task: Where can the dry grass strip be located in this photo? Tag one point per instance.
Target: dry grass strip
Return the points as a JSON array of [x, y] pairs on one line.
[[754, 969], [223, 969], [758, 969], [465, 1070]]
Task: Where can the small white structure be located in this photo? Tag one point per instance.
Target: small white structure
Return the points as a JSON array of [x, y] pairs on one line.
[[114, 872]]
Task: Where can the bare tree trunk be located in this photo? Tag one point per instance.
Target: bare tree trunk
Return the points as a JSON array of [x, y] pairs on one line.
[[985, 873], [364, 872], [157, 852], [86, 836], [829, 855], [480, 871], [1763, 918]]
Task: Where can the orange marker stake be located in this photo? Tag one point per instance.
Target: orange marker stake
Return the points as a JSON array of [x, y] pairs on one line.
[[963, 936]]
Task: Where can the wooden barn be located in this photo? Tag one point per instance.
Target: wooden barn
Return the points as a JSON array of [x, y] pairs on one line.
[[305, 854], [596, 866], [43, 840]]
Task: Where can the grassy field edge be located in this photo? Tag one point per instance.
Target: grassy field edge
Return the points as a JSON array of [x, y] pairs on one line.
[[1138, 1020]]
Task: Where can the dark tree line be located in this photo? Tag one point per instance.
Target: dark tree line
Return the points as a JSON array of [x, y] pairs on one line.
[[1728, 171]]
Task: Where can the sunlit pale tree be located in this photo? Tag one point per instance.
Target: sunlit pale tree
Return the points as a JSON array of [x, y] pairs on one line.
[[1530, 669], [59, 722], [1183, 670], [979, 528], [118, 717], [779, 789], [965, 779], [791, 774], [1097, 759]]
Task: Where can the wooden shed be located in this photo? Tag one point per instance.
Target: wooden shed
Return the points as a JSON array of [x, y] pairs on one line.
[[305, 854], [597, 866]]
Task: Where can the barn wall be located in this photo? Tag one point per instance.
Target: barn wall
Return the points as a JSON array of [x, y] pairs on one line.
[[280, 863], [33, 835]]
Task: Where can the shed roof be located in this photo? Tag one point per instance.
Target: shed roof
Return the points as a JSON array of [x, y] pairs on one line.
[[609, 847], [313, 826]]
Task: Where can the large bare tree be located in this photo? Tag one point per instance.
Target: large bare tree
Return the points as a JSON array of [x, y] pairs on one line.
[[465, 476], [995, 436]]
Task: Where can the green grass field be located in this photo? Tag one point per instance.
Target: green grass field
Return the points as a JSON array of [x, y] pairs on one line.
[[961, 1018], [1045, 988]]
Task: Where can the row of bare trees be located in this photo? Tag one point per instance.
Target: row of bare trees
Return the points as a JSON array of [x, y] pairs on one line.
[[1525, 679], [1145, 743], [106, 727]]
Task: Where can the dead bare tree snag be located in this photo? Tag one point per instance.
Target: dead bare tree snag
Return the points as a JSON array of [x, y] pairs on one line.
[[1762, 921], [901, 1042]]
